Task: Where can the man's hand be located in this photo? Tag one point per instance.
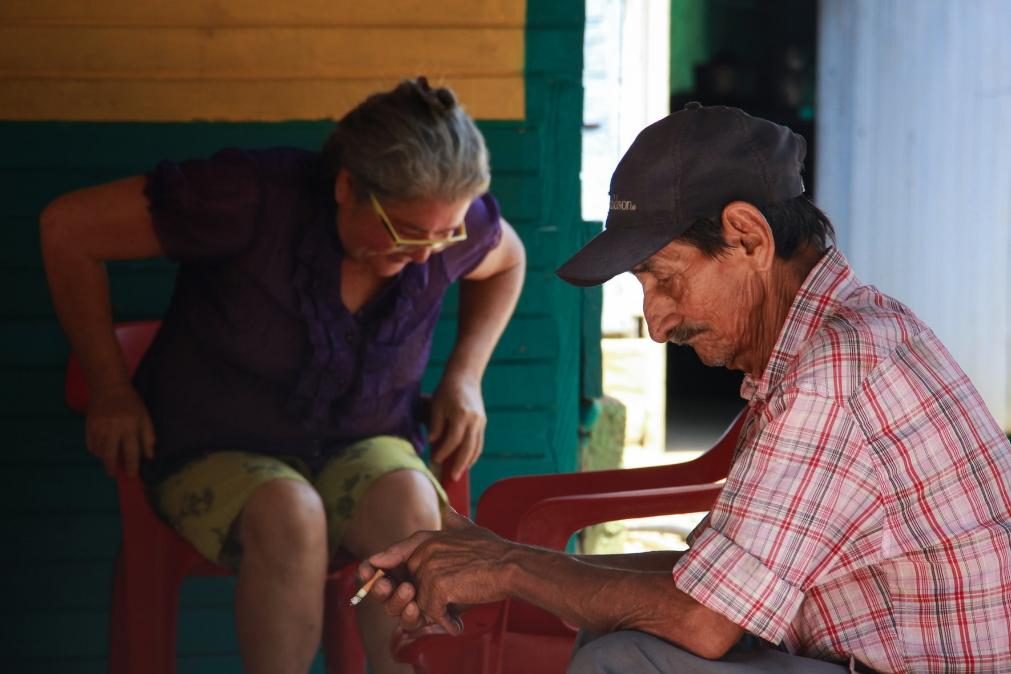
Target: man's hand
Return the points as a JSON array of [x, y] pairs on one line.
[[457, 424], [448, 570], [467, 565], [118, 428], [398, 596]]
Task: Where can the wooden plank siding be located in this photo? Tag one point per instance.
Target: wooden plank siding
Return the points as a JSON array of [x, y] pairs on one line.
[[414, 13], [58, 511], [251, 60]]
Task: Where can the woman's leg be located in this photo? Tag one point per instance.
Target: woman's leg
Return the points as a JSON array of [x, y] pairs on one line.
[[279, 595], [259, 515], [377, 493]]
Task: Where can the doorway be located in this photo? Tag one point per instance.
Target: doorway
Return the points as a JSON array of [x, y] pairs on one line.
[[758, 55], [643, 58]]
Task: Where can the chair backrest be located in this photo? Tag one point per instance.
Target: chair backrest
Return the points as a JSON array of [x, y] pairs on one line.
[[504, 502], [134, 339]]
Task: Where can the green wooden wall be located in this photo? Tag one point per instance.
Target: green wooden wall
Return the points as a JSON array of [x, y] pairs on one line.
[[58, 513]]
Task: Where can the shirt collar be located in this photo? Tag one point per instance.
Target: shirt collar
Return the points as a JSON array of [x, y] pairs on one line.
[[831, 279]]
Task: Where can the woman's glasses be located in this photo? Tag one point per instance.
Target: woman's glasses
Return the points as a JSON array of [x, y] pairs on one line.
[[404, 244]]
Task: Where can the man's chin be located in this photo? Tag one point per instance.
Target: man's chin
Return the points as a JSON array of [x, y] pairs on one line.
[[710, 359]]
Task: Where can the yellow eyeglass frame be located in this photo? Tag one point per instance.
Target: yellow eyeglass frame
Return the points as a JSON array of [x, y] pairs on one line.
[[401, 243]]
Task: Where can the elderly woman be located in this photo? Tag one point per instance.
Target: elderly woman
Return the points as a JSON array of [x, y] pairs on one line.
[[276, 415]]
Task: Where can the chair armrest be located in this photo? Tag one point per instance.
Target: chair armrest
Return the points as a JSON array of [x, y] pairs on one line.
[[502, 500], [137, 516], [550, 523], [428, 650], [134, 338], [457, 491]]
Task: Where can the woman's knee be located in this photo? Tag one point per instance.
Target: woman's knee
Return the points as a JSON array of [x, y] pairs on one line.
[[393, 507], [283, 519]]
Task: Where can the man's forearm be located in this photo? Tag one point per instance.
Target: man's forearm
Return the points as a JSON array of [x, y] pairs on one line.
[[604, 599], [659, 560]]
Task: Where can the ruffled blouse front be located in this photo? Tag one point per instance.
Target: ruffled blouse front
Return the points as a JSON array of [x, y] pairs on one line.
[[369, 362]]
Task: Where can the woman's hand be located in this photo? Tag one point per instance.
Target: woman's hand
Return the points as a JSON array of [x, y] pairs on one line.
[[458, 421], [118, 429]]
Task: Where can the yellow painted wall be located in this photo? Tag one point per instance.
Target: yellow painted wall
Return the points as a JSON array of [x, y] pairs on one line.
[[251, 60]]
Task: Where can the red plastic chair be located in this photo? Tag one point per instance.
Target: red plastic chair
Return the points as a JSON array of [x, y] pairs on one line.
[[514, 637], [153, 560]]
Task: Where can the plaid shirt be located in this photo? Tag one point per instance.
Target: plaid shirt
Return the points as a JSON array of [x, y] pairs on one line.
[[867, 514]]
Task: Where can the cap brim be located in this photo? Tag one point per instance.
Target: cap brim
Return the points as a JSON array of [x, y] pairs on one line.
[[614, 251]]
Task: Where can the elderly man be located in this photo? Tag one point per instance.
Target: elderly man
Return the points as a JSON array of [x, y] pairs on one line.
[[866, 520]]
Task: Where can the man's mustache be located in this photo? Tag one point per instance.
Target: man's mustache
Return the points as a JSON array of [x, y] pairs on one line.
[[683, 333]]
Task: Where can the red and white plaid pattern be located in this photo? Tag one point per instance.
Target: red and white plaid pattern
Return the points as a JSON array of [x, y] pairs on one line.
[[867, 514]]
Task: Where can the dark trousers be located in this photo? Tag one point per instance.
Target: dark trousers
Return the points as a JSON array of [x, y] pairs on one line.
[[630, 652]]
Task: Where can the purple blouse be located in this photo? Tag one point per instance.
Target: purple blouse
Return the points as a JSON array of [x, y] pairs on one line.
[[257, 351]]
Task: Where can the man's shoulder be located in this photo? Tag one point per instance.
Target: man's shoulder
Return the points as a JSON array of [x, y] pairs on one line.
[[862, 331]]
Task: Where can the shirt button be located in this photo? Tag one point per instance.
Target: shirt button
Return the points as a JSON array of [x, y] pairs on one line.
[[350, 337]]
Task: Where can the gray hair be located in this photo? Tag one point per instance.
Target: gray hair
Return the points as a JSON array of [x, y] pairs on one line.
[[412, 142], [796, 224]]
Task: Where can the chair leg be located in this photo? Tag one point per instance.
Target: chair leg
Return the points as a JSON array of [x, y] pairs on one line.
[[143, 620], [119, 660], [342, 643]]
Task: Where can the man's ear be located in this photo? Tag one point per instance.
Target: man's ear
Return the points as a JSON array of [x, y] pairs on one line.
[[745, 228]]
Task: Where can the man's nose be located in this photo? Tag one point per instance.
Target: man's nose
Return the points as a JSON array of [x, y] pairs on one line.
[[655, 309], [654, 331]]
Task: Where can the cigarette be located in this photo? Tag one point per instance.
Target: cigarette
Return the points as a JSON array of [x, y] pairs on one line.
[[357, 599]]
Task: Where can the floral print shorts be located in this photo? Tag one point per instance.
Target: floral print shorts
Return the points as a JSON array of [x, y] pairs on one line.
[[202, 500]]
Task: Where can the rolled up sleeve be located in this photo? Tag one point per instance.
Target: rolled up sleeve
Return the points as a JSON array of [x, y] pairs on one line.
[[724, 577]]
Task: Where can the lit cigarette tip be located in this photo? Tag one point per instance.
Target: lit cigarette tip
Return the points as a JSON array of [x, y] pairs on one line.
[[357, 599]]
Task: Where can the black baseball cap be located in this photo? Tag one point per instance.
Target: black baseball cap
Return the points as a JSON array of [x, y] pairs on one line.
[[688, 165]]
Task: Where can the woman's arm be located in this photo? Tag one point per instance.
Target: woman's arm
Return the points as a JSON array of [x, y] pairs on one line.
[[488, 297], [80, 231]]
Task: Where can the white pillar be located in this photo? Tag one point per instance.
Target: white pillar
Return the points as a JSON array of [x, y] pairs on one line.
[[914, 166]]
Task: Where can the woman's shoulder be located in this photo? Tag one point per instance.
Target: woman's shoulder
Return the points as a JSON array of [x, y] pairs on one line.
[[484, 231], [231, 170], [281, 163], [483, 213]]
